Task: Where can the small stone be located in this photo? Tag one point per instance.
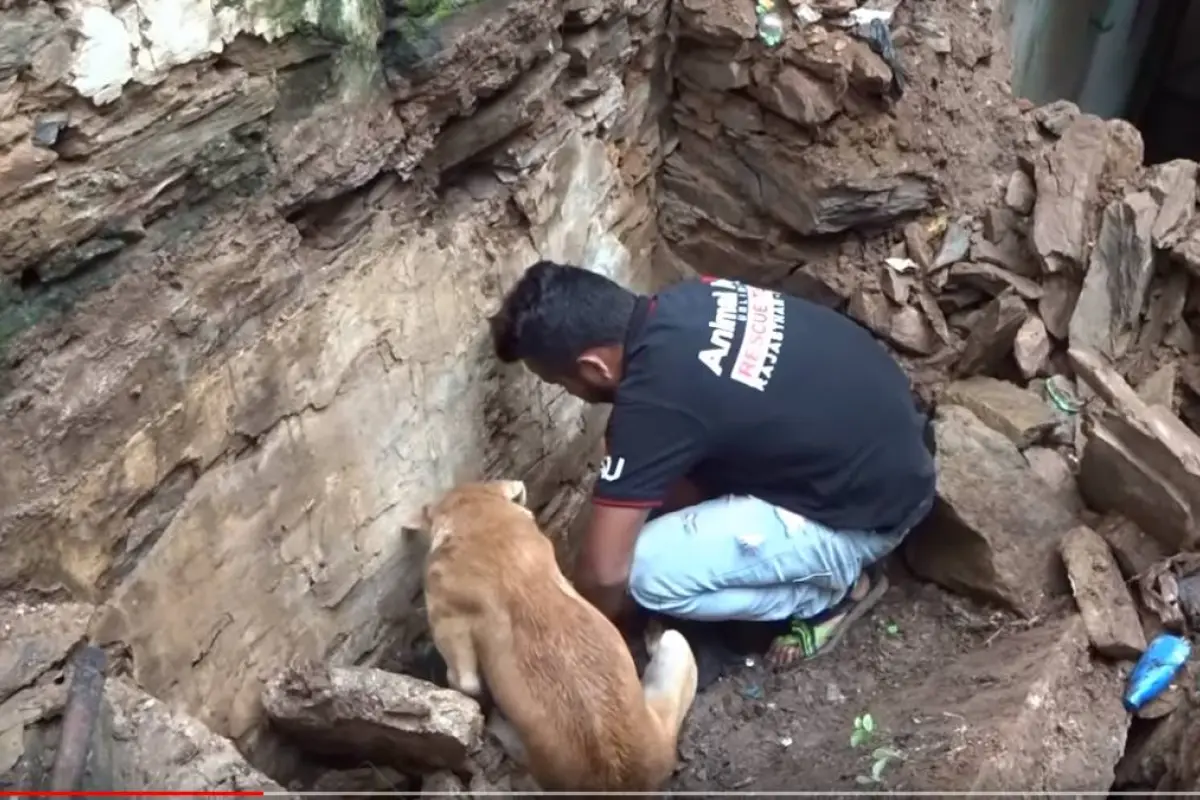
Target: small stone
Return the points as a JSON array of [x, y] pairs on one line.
[[1104, 602], [1009, 252], [48, 127], [1031, 347], [1158, 389], [1054, 118], [995, 529], [955, 244], [917, 246], [991, 341], [368, 713], [443, 782], [896, 286], [1021, 193], [1060, 292], [1004, 407], [1173, 185], [1134, 550], [1161, 706]]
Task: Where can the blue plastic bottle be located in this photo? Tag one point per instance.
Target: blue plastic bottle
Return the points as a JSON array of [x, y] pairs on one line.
[[1155, 669]]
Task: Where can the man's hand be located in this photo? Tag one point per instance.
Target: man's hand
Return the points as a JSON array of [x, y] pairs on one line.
[[602, 571]]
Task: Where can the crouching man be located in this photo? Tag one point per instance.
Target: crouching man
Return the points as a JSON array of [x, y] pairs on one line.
[[776, 442]]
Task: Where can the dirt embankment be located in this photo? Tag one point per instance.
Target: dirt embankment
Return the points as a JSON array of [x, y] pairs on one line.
[[243, 335]]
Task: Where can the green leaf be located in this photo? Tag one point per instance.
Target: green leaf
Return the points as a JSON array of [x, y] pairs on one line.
[[865, 779], [887, 752], [892, 629], [868, 724]]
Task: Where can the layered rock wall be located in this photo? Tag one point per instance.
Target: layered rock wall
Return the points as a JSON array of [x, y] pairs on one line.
[[243, 294]]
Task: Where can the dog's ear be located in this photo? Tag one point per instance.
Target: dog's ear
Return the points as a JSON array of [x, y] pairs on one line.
[[515, 491]]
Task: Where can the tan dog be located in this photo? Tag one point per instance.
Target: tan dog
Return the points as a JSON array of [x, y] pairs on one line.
[[503, 614]]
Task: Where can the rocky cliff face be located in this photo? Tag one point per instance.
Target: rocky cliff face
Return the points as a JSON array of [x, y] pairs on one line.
[[245, 266]]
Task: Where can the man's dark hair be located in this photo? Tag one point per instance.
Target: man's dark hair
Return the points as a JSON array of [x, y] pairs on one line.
[[556, 312]]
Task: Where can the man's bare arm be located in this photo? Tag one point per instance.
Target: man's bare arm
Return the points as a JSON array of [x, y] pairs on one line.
[[602, 571]]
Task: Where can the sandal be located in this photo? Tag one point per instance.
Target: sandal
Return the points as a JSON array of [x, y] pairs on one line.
[[809, 638]]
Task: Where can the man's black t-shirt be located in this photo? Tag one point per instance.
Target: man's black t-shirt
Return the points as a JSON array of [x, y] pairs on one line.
[[749, 391]]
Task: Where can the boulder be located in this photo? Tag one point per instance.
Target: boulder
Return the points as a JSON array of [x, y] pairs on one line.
[[1030, 713], [1104, 601], [1020, 193], [1005, 407], [994, 532], [1139, 460], [368, 713], [1052, 467], [1110, 304], [1068, 182]]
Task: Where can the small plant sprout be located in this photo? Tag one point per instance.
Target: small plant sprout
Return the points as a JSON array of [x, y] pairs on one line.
[[864, 727], [881, 757], [892, 628]]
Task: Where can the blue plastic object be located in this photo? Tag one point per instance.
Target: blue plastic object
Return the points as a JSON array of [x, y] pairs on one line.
[[1155, 669]]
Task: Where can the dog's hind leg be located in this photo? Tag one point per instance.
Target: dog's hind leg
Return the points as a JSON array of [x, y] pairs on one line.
[[669, 683], [454, 641]]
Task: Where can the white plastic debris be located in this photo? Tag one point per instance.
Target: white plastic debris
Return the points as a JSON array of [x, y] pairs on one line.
[[901, 265]]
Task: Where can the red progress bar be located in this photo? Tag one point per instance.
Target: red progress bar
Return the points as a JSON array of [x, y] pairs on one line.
[[27, 793]]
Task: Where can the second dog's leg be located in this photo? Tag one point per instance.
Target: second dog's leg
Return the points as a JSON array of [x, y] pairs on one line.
[[453, 640]]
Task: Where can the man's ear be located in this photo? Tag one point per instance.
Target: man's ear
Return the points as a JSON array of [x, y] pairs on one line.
[[593, 368]]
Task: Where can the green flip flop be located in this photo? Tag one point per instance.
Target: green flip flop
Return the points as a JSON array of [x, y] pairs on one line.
[[813, 638]]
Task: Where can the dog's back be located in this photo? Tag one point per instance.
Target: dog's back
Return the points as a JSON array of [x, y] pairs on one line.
[[555, 666]]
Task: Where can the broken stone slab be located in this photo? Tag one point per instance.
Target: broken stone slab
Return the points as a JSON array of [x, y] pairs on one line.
[[1052, 467], [1173, 185], [1165, 308], [992, 337], [1134, 550], [1110, 304], [159, 748], [1020, 193], [917, 246], [35, 639], [1031, 347], [1104, 601], [368, 713], [1158, 389], [955, 244], [1139, 461], [994, 532], [993, 279], [1004, 407], [1068, 181], [1030, 713], [1059, 295]]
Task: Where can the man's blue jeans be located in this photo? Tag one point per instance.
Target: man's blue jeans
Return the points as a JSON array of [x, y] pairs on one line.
[[740, 558]]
